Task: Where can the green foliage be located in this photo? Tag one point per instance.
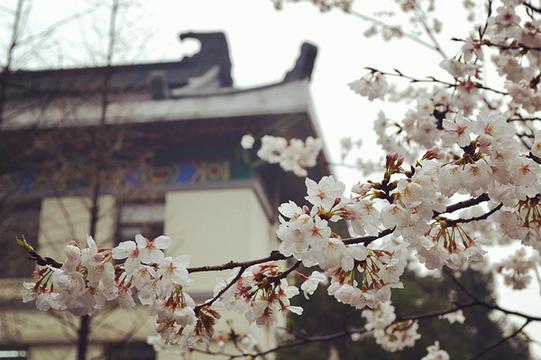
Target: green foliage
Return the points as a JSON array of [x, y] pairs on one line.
[[323, 315]]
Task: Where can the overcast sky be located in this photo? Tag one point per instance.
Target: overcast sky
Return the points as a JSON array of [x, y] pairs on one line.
[[264, 44]]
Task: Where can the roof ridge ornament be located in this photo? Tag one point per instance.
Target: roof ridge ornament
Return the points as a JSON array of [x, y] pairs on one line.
[[214, 52], [304, 65]]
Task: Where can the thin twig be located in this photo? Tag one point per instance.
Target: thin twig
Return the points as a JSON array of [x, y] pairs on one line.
[[533, 8], [227, 287], [302, 340], [432, 79], [501, 341], [486, 304], [393, 28], [465, 204], [475, 218], [422, 19], [284, 274]]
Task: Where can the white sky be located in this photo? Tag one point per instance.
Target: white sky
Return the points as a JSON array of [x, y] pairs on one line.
[[264, 44]]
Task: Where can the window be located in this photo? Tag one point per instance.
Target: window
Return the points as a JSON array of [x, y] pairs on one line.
[[21, 218], [13, 354], [143, 216], [129, 351]]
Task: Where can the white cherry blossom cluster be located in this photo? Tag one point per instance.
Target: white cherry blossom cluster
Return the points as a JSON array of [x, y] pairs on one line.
[[523, 222], [373, 86], [307, 236], [517, 269], [86, 281], [392, 336], [435, 353], [260, 293], [90, 277], [294, 155], [454, 317], [138, 272]]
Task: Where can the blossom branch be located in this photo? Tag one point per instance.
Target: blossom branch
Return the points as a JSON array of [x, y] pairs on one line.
[[465, 204], [432, 79], [483, 303], [277, 256], [35, 256], [533, 8], [303, 340], [393, 28], [284, 274], [475, 218], [421, 16], [215, 298], [512, 46]]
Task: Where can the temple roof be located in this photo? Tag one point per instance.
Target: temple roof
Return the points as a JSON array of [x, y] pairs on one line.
[[206, 72], [185, 111]]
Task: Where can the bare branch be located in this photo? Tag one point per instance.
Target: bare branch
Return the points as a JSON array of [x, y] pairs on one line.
[[421, 16], [475, 218], [501, 341], [227, 287]]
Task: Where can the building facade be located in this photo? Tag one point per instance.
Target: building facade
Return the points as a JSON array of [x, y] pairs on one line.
[[148, 148]]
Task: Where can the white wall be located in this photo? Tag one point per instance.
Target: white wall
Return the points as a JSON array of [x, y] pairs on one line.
[[214, 227]]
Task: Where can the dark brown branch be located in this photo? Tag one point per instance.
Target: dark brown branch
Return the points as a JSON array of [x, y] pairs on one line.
[[534, 158], [368, 239], [475, 218], [533, 8], [486, 304], [227, 287], [430, 315], [35, 256], [517, 46], [284, 274], [526, 135], [302, 340], [512, 46], [432, 79], [501, 341], [422, 19], [524, 119], [465, 204], [275, 255]]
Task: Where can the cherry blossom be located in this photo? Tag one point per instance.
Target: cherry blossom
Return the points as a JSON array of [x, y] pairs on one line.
[[454, 317], [247, 141], [435, 353], [374, 86], [310, 285]]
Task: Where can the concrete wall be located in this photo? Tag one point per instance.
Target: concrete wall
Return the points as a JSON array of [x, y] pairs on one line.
[[214, 227], [68, 218]]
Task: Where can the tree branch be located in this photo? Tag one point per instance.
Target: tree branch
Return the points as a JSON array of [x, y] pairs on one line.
[[475, 218], [336, 335], [227, 287], [432, 79], [533, 8], [422, 19], [501, 341], [465, 204], [486, 304]]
